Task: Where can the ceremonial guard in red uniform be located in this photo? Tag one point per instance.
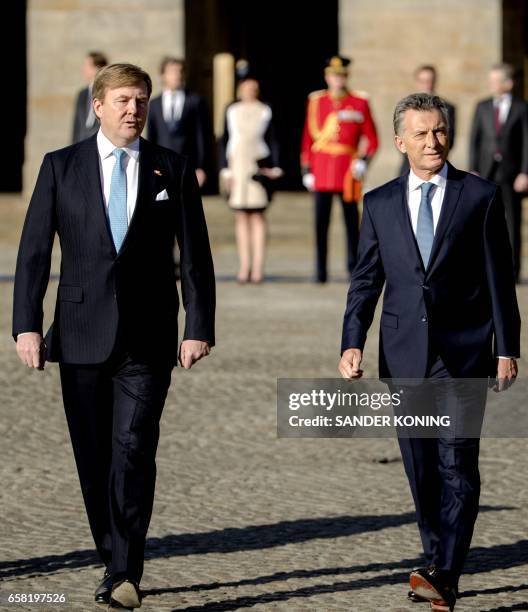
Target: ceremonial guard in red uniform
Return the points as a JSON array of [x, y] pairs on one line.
[[338, 141]]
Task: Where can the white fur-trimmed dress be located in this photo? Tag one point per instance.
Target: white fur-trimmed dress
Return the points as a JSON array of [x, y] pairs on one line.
[[248, 144]]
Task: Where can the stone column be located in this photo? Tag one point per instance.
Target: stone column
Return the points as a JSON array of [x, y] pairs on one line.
[[60, 32]]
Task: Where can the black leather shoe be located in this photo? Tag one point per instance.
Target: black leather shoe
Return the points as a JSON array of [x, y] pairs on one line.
[[434, 585], [103, 591], [125, 594]]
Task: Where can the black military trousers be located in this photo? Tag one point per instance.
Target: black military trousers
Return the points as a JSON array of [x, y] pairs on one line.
[[113, 412], [323, 208], [443, 470]]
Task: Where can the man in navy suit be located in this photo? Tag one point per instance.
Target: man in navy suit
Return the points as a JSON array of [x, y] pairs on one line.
[[85, 123], [436, 239], [117, 203], [178, 119]]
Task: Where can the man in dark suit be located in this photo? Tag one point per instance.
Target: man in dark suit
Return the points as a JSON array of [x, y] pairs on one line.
[[425, 80], [117, 202], [437, 240], [85, 123], [499, 149], [178, 119]]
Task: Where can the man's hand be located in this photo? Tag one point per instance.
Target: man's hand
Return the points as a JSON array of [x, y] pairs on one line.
[[521, 183], [506, 374], [350, 362], [192, 351], [200, 176], [31, 349]]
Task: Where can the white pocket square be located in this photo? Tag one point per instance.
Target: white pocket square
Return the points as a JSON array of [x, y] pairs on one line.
[[162, 195]]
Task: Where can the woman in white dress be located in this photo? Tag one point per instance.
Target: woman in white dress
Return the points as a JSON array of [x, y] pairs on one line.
[[249, 160]]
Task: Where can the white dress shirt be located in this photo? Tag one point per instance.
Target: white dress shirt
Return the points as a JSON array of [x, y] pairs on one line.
[[107, 162], [504, 103], [172, 104], [414, 195]]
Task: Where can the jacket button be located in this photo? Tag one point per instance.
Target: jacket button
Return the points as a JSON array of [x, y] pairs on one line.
[[424, 319]]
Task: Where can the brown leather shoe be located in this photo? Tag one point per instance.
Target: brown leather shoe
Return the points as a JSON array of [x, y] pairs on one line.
[[433, 585]]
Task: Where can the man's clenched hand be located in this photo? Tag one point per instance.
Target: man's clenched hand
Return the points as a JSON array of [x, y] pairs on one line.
[[350, 362], [31, 349], [506, 374], [192, 351]]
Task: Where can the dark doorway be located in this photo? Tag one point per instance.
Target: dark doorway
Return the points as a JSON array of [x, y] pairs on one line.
[[286, 44], [515, 41], [14, 101]]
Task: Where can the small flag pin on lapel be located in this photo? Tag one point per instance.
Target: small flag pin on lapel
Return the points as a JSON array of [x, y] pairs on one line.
[[157, 172]]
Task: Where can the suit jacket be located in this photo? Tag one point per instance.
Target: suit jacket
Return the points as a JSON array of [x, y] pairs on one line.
[[455, 308], [190, 136], [101, 291], [451, 112], [80, 114], [512, 141]]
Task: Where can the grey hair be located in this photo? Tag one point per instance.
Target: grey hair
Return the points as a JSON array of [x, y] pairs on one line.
[[419, 102]]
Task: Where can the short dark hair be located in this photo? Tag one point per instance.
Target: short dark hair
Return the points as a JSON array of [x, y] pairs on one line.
[[507, 70], [119, 75], [419, 102], [423, 67], [169, 59], [99, 59]]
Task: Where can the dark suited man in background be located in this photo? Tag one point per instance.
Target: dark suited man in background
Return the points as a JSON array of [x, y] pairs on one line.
[[85, 123], [499, 149], [425, 80], [437, 240], [179, 120], [117, 202]]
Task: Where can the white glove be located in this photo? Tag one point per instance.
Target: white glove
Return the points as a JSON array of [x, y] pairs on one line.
[[308, 180], [359, 167]]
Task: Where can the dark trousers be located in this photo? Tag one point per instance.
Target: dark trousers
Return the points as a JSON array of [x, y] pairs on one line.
[[443, 471], [323, 208], [113, 412], [513, 212]]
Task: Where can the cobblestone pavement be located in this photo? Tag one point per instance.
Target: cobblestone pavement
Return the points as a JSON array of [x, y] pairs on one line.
[[241, 518]]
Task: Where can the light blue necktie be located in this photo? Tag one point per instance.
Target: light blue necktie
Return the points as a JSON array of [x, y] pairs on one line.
[[117, 203], [425, 225]]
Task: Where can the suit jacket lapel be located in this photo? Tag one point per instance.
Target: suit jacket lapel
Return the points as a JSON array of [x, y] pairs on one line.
[[399, 197], [185, 108], [509, 117], [86, 167], [145, 193], [451, 196]]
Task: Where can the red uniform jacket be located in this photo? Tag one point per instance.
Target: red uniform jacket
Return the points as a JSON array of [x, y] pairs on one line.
[[332, 133]]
